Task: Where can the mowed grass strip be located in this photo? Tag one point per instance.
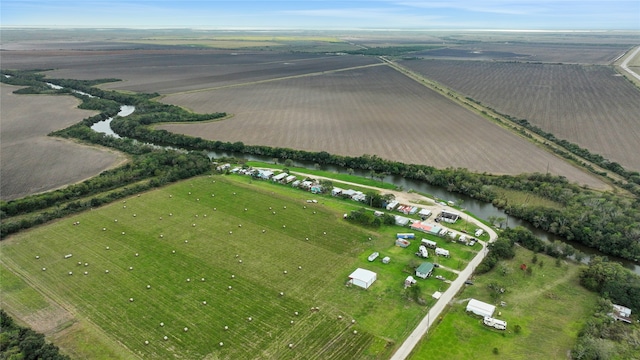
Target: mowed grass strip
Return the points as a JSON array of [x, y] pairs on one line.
[[549, 305], [173, 249]]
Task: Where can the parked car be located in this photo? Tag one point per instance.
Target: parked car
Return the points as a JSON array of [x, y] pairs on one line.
[[469, 282], [436, 265], [472, 242]]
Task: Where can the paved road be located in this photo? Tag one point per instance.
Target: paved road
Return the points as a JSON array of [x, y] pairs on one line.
[[625, 63], [432, 316]]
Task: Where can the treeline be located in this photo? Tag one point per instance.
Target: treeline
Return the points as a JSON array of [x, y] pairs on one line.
[[17, 342], [391, 50], [502, 248], [632, 177]]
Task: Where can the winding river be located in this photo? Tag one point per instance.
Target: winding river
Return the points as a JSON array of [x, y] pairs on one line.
[[478, 208]]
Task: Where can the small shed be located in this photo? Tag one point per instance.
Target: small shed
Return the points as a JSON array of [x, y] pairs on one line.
[[279, 177], [362, 278], [289, 178], [386, 260], [424, 270], [481, 308], [336, 191], [424, 213]]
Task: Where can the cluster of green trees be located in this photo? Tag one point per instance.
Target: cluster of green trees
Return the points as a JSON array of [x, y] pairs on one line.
[[603, 338], [612, 281], [366, 218], [18, 343]]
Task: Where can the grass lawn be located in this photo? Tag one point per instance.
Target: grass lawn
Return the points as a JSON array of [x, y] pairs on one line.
[[549, 306], [229, 231]]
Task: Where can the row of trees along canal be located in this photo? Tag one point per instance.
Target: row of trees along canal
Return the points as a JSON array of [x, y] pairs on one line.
[[605, 221]]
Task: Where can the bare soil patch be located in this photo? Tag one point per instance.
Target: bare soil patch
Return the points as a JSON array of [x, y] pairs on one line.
[[586, 105], [32, 162], [372, 110]]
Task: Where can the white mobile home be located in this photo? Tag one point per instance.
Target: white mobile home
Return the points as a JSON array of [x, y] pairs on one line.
[[478, 232], [429, 243], [362, 278], [280, 177], [442, 252]]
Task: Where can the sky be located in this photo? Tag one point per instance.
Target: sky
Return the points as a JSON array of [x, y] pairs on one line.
[[325, 15]]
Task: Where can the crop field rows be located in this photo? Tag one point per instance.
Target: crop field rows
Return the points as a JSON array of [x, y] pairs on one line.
[[251, 270], [373, 110], [587, 105], [33, 162], [548, 53]]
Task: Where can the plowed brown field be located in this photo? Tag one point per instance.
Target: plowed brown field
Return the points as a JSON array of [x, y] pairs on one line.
[[587, 105], [32, 162], [373, 110]]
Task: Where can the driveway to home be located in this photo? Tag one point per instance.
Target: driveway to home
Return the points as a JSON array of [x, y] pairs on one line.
[[434, 313]]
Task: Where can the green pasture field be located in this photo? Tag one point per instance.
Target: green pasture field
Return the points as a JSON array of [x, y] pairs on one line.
[[549, 305], [205, 222]]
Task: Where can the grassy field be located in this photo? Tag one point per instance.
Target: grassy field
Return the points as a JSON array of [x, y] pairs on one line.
[[25, 147], [200, 220], [549, 306]]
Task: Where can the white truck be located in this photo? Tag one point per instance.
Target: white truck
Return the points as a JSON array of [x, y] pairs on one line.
[[498, 324]]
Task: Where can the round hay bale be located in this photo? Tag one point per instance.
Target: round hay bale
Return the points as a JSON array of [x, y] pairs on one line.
[[79, 262], [226, 327], [161, 324], [173, 251], [299, 267], [165, 338], [233, 276], [196, 215], [281, 293], [198, 199], [240, 261], [170, 214], [214, 209], [130, 299], [285, 272], [212, 195], [44, 269], [204, 303], [186, 241], [245, 209], [229, 287], [189, 192], [148, 286], [86, 273], [115, 220], [106, 271], [202, 279], [284, 226], [205, 215], [170, 196], [339, 317], [274, 213], [104, 229], [314, 213], [160, 217], [230, 232], [264, 231], [324, 233], [239, 225], [221, 343], [130, 267], [188, 280], [291, 345], [306, 239], [194, 225], [86, 264], [146, 342], [107, 248], [137, 254], [284, 207], [161, 236], [123, 233], [250, 318], [295, 313], [355, 332], [234, 193], [124, 207], [237, 256], [353, 321], [70, 272], [134, 215], [186, 329]]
